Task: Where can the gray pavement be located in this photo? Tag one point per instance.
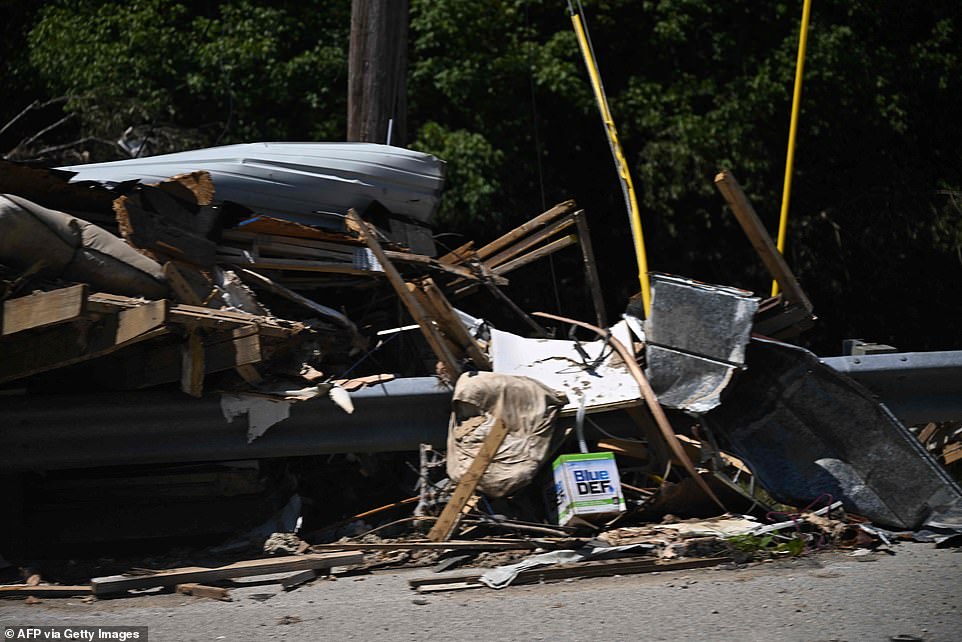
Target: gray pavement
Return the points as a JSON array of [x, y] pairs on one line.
[[916, 592]]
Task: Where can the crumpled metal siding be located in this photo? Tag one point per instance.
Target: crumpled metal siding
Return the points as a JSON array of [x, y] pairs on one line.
[[696, 337], [311, 183], [806, 430]]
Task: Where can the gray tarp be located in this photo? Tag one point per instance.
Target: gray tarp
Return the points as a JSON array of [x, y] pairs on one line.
[[526, 406]]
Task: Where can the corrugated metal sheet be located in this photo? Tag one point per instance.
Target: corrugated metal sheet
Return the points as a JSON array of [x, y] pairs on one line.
[[312, 183]]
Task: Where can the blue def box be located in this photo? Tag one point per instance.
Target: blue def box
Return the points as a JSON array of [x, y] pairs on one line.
[[587, 485]]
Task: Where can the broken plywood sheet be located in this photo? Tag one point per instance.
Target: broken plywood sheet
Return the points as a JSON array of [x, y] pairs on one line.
[[601, 379]]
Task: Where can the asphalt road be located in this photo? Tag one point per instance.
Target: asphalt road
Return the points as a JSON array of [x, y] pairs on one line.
[[916, 593]]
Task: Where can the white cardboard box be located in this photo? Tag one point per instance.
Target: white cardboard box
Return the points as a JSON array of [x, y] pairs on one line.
[[587, 485]]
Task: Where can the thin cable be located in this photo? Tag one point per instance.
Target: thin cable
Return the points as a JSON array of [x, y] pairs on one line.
[[537, 153]]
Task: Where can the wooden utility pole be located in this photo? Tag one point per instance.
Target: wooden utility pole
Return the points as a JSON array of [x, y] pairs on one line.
[[377, 72]]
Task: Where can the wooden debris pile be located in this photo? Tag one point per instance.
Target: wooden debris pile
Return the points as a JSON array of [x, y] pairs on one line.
[[249, 297]]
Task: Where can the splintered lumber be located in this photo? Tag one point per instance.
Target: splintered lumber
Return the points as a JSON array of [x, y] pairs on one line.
[[151, 219], [196, 187], [626, 447], [192, 365], [651, 400], [458, 255], [135, 322], [288, 564], [193, 315], [952, 453], [259, 280], [151, 365], [64, 345], [599, 568], [414, 308], [535, 255], [44, 309], [525, 244], [298, 265], [201, 590], [450, 323], [179, 279], [469, 545], [291, 582], [591, 268], [43, 590], [469, 481], [309, 250], [523, 230], [760, 239]]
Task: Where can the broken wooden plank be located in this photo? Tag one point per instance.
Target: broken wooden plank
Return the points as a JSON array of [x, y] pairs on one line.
[[535, 255], [43, 590], [760, 239], [133, 322], [452, 326], [193, 187], [192, 364], [598, 568], [43, 309], [523, 230], [625, 447], [291, 582], [427, 261], [64, 345], [185, 284], [312, 249], [192, 315], [529, 242], [259, 280], [469, 481], [151, 219], [952, 453], [452, 347], [450, 586], [459, 254], [428, 329], [202, 590], [470, 545], [171, 577], [156, 364], [299, 265], [345, 247], [591, 269]]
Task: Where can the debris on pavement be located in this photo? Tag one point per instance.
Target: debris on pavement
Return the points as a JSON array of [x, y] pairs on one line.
[[284, 357]]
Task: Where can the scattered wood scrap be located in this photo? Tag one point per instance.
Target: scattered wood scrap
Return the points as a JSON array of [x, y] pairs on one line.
[[202, 590], [292, 582], [20, 591], [598, 568], [448, 520], [430, 330], [172, 577], [470, 545]]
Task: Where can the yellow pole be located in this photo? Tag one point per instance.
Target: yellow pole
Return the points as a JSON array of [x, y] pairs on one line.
[[620, 163], [792, 130]]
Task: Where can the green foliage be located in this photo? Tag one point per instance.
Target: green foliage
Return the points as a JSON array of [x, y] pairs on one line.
[[245, 70], [498, 89], [471, 162], [757, 546]]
